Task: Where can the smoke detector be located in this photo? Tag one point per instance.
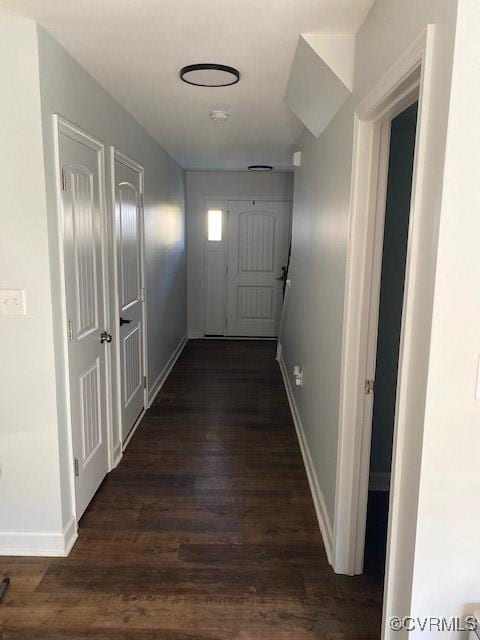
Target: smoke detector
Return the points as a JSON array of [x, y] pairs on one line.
[[219, 115]]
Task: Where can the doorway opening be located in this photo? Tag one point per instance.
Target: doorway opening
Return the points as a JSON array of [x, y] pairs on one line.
[[386, 318]]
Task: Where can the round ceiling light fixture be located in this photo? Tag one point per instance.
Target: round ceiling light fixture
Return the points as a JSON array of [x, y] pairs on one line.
[[260, 167], [209, 75]]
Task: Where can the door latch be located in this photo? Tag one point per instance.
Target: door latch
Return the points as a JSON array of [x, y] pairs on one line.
[[105, 337]]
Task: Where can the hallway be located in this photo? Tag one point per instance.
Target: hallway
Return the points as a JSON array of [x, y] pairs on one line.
[[206, 530]]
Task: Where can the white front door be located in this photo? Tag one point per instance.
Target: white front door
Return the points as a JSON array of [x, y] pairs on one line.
[[258, 241], [129, 241], [82, 172]]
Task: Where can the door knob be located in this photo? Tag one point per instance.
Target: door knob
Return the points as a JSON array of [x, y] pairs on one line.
[[124, 321], [105, 337]]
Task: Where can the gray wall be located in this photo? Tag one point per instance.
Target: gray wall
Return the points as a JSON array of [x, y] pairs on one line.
[[67, 89], [204, 185], [312, 334]]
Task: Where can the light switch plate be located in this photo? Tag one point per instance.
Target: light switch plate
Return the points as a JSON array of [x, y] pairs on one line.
[[12, 302]]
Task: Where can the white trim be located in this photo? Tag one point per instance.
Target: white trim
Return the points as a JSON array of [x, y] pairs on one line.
[[288, 286], [271, 338], [118, 453], [131, 433], [379, 481], [115, 156], [196, 335], [409, 74], [373, 267], [39, 543], [324, 522], [61, 125], [163, 375], [278, 355], [159, 382]]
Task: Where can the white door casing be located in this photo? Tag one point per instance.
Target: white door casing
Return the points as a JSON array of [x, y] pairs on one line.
[[128, 186], [258, 238], [81, 167], [410, 77]]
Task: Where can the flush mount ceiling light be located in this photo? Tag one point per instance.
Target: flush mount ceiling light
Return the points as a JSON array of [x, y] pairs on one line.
[[209, 75], [260, 167]]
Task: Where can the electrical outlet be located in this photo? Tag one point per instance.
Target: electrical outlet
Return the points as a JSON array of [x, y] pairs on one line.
[[12, 302], [298, 375]]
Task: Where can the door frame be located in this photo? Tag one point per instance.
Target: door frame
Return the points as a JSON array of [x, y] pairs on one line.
[[410, 75], [63, 126], [116, 155], [209, 202]]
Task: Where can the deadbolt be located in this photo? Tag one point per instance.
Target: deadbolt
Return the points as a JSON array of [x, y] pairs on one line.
[[105, 337]]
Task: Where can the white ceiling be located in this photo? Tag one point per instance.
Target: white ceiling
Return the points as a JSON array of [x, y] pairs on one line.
[[135, 49]]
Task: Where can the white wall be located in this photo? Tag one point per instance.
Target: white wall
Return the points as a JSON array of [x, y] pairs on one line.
[[29, 480], [44, 80], [447, 557], [312, 331], [211, 185]]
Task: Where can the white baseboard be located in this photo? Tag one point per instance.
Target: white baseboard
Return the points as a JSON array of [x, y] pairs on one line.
[[159, 382], [117, 455], [379, 481], [196, 335], [132, 432], [324, 522], [39, 543]]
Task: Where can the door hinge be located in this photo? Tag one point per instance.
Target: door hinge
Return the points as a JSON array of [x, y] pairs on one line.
[[369, 386], [64, 180], [140, 199], [144, 382], [75, 467], [70, 330], [142, 294]]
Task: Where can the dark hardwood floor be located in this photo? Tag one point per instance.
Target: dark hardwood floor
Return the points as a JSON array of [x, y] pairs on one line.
[[205, 531]]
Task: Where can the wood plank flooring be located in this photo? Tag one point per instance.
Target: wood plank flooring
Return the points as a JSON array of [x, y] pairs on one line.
[[205, 531]]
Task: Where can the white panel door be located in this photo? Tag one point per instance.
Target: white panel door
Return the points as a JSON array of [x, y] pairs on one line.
[[81, 168], [129, 241], [258, 240]]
